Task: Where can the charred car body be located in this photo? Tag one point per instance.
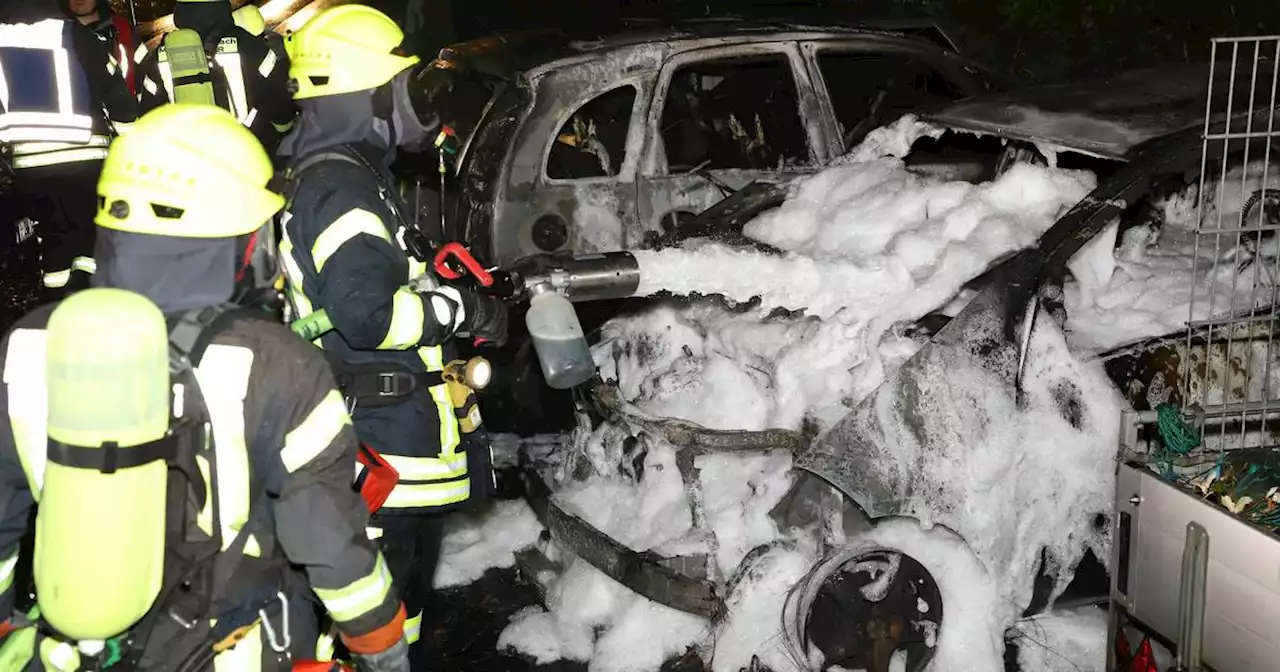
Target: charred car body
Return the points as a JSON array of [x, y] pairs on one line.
[[1146, 137], [588, 145]]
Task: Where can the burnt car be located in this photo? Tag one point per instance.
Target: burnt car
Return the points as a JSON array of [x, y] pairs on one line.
[[1148, 136], [596, 144]]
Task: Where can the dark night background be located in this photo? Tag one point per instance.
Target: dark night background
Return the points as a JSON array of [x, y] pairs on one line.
[[1029, 40]]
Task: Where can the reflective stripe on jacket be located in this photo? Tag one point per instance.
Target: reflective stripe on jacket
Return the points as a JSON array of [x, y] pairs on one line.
[[254, 86], [125, 45], [45, 94], [57, 80], [279, 426], [37, 154]]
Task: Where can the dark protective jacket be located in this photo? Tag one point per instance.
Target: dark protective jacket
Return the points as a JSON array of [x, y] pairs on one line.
[[342, 252], [59, 116], [285, 452], [254, 79]]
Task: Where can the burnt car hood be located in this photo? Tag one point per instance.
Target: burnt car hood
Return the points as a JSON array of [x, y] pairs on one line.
[[1108, 118]]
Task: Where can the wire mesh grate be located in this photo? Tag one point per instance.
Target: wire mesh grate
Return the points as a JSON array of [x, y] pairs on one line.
[[1229, 374]]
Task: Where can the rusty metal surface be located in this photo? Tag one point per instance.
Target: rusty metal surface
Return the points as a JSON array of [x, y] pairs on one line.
[[644, 573], [684, 434]]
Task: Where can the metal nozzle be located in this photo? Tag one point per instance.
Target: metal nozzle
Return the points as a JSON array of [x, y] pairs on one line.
[[594, 277]]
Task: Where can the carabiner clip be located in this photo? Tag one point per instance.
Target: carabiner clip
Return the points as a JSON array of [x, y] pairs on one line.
[[272, 639]]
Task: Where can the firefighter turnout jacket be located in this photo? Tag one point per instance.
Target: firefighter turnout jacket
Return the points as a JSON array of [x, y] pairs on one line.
[[122, 38], [225, 66], [279, 503], [343, 250], [61, 94]]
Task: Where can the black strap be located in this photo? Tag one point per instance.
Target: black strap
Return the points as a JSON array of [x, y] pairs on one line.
[[380, 386], [197, 78], [390, 197], [192, 332], [342, 153], [185, 439]]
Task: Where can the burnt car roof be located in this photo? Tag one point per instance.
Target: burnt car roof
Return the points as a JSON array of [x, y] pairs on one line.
[[1109, 117], [507, 54]]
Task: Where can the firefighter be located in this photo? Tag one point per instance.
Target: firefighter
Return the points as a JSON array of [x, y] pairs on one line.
[[56, 126], [346, 249], [250, 18], [259, 515], [111, 28], [238, 71]]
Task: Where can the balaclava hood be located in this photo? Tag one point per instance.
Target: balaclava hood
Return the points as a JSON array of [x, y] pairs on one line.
[[178, 274]]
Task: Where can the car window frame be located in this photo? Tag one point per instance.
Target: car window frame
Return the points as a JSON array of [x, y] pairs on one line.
[[788, 49], [813, 49], [577, 106], [637, 85]]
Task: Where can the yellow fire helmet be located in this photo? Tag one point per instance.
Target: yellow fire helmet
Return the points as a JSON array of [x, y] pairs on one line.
[[250, 18], [188, 171], [100, 536], [344, 49]]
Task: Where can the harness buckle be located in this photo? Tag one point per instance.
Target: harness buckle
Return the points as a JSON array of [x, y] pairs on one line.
[[272, 638], [395, 384]]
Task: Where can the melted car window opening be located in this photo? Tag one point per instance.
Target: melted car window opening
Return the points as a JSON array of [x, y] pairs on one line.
[[739, 113], [870, 90], [593, 142]]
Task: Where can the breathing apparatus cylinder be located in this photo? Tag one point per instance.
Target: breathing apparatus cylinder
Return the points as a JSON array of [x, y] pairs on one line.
[[558, 338], [100, 537], [184, 49]]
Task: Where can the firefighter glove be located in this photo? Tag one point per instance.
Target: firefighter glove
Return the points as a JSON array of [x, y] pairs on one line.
[[485, 317], [394, 659]]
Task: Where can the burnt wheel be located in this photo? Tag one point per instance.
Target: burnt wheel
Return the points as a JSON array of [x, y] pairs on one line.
[[878, 603]]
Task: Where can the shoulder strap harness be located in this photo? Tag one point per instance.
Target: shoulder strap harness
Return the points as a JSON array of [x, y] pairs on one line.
[[193, 584]]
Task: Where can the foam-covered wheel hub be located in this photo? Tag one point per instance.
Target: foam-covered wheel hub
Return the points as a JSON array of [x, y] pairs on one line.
[[878, 603]]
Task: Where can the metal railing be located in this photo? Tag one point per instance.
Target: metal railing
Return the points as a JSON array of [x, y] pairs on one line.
[[1229, 365]]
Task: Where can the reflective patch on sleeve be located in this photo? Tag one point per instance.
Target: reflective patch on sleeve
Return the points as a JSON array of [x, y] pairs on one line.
[[267, 65], [316, 433], [6, 572], [407, 315], [343, 229], [360, 596], [140, 53], [413, 628]]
